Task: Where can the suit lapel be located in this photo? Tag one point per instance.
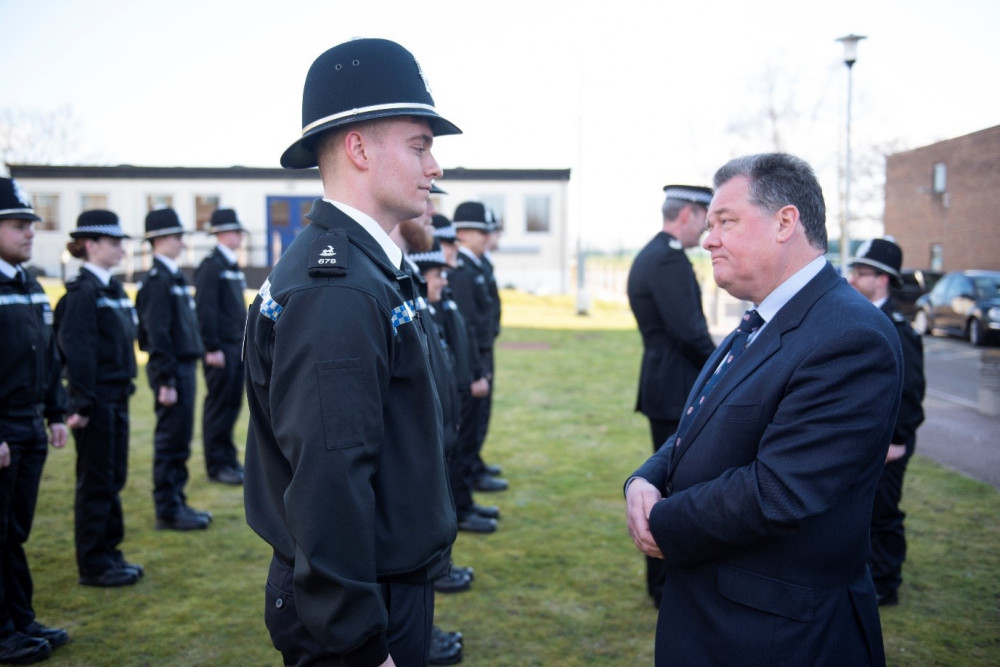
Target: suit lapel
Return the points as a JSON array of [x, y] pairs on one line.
[[767, 343]]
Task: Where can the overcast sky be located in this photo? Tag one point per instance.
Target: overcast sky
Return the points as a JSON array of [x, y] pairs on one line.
[[631, 94]]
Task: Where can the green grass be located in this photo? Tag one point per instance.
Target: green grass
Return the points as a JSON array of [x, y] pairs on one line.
[[559, 584]]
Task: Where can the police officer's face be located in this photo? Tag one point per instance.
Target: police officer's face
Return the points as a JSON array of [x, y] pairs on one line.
[[16, 236], [169, 246], [436, 282], [105, 252], [403, 167], [694, 225]]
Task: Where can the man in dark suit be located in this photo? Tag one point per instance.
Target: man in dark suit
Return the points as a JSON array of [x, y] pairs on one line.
[[874, 271], [760, 504], [666, 301], [222, 317]]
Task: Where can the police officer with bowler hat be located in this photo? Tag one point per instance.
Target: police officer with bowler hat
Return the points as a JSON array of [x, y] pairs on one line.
[[874, 272], [31, 393], [222, 314], [168, 331], [96, 330], [345, 467]]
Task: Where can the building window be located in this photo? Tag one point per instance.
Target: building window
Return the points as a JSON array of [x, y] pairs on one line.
[[90, 202], [155, 202], [937, 257], [940, 178], [496, 204], [536, 213], [47, 208], [204, 207]]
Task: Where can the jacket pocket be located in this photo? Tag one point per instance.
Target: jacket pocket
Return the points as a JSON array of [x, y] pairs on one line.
[[765, 593]]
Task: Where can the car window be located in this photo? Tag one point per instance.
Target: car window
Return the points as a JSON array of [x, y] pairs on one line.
[[987, 287]]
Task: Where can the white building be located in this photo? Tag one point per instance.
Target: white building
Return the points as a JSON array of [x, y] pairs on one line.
[[534, 252]]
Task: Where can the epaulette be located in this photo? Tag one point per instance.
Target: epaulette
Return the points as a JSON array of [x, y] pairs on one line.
[[898, 317], [73, 284], [328, 255]]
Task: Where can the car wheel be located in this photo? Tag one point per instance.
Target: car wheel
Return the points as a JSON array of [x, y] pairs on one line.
[[977, 335], [921, 324]]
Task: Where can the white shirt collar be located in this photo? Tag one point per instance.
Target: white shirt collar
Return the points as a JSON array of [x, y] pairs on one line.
[[367, 222], [784, 292], [880, 302], [170, 264], [9, 270], [471, 255], [227, 253], [102, 274]]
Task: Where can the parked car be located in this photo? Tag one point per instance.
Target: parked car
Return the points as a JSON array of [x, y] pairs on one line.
[[962, 303], [916, 283]]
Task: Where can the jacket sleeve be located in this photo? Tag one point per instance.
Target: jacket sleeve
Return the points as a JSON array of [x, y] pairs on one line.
[[76, 327], [207, 300], [328, 379], [911, 411], [814, 445], [55, 393], [156, 313]]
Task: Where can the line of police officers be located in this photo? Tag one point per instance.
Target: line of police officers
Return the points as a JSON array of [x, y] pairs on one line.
[[89, 339]]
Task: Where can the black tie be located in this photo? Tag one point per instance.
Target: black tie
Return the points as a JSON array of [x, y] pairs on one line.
[[750, 323]]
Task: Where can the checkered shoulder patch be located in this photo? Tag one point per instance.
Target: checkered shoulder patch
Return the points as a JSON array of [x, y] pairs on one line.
[[401, 314], [269, 308]]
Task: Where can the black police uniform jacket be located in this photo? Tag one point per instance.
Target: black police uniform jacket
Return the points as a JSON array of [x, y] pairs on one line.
[[30, 385], [222, 312], [666, 301], [345, 468], [470, 289], [168, 325], [911, 411], [96, 331]]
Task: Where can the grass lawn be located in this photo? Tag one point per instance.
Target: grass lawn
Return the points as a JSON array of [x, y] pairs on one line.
[[559, 584]]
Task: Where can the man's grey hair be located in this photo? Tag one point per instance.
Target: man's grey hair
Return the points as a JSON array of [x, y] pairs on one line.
[[777, 180]]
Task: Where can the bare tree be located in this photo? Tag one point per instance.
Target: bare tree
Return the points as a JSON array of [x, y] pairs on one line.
[[32, 136]]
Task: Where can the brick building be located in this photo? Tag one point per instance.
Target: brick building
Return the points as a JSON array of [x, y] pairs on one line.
[[942, 203]]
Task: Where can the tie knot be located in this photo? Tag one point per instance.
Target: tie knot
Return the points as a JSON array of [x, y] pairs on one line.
[[751, 322]]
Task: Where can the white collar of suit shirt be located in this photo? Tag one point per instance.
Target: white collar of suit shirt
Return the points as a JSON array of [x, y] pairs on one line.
[[367, 222], [784, 292]]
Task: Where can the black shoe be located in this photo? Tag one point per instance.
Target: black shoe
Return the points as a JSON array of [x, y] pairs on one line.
[[56, 637], [474, 523], [487, 511], [444, 652], [20, 649], [467, 571], [110, 578], [492, 470], [190, 511], [228, 476], [453, 582], [889, 599], [139, 570], [488, 483], [443, 636], [182, 522]]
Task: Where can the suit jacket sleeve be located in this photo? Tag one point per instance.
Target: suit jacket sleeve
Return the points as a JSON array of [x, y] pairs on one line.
[[815, 441]]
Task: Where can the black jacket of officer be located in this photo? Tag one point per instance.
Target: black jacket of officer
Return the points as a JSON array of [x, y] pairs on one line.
[[30, 367], [99, 355], [345, 470], [168, 326], [219, 296], [911, 411], [470, 289]]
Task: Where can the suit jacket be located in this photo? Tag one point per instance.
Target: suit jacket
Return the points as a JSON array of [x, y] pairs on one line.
[[768, 491], [666, 301]]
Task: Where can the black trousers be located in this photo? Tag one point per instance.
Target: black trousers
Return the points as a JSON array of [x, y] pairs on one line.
[[18, 496], [483, 412], [463, 458], [101, 469], [223, 401], [887, 535], [660, 430], [172, 445], [410, 609]]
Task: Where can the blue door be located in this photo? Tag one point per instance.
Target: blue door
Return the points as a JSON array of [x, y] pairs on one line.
[[286, 216]]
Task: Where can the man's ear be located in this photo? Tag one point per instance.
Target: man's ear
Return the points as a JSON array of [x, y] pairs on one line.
[[788, 219], [356, 148]]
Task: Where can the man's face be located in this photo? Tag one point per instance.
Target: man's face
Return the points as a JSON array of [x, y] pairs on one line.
[[231, 239], [473, 240], [693, 226], [436, 282], [870, 283], [450, 251], [403, 168], [16, 236], [169, 246], [743, 241]]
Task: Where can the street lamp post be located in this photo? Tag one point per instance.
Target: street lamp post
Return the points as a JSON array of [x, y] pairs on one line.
[[850, 43]]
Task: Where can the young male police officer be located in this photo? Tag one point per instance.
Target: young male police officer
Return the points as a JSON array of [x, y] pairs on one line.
[[168, 330], [222, 316], [30, 394], [345, 470]]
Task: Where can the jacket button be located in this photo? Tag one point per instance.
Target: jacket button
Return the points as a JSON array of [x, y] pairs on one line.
[[279, 603]]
